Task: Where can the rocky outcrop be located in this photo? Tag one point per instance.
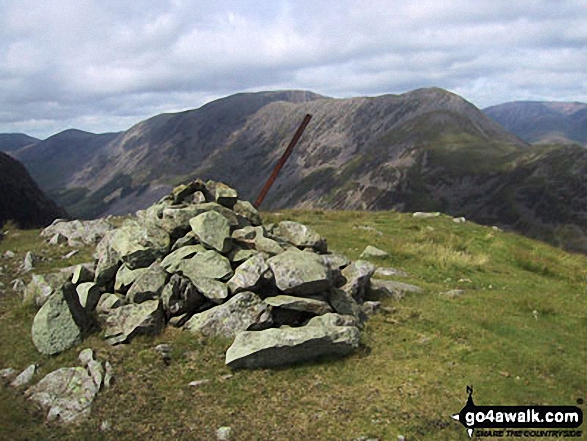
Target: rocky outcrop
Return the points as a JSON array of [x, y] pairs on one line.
[[202, 260]]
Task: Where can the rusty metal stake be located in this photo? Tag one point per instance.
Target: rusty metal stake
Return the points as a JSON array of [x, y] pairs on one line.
[[281, 162]]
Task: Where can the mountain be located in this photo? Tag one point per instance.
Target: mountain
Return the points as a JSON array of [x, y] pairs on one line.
[[543, 122], [425, 150], [21, 200], [10, 142], [52, 161]]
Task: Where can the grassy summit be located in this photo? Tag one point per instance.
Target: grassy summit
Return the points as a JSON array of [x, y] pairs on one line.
[[517, 334]]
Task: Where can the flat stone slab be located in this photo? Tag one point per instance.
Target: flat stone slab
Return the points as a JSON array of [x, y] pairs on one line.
[[301, 304], [127, 321], [390, 288], [208, 264], [301, 273], [284, 346]]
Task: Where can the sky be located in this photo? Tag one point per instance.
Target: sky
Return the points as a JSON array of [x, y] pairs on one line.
[[104, 65]]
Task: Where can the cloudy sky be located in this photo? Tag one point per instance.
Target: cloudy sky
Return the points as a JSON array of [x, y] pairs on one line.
[[103, 65]]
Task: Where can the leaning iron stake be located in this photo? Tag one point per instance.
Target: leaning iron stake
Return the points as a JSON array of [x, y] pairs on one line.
[[281, 162]]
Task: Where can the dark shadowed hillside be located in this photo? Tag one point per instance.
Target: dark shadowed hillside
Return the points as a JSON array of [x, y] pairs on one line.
[[21, 200], [543, 122], [10, 142]]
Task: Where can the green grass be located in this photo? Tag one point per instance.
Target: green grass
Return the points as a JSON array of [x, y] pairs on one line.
[[517, 335]]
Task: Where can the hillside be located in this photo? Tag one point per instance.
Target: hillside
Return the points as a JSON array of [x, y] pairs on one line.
[[515, 331], [543, 122], [51, 161], [426, 150], [21, 200], [10, 142]]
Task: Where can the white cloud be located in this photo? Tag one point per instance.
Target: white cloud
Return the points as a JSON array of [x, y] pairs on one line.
[[104, 64]]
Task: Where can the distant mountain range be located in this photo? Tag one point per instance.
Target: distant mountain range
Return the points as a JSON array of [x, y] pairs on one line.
[[543, 122], [21, 200], [10, 142], [426, 150]]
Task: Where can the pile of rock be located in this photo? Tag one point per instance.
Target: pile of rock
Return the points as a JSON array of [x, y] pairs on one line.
[[201, 259]]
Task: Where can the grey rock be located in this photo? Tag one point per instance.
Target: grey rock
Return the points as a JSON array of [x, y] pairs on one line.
[[83, 272], [453, 293], [173, 259], [88, 232], [61, 322], [188, 239], [212, 289], [180, 296], [197, 383], [371, 251], [66, 394], [108, 374], [424, 215], [371, 308], [248, 211], [41, 287], [208, 264], [390, 288], [108, 262], [9, 254], [241, 312], [125, 277], [386, 272], [239, 255], [70, 254], [89, 295], [58, 239], [85, 356], [8, 373], [357, 276], [148, 285], [248, 275], [223, 194], [267, 245], [343, 303], [299, 273], [30, 260], [126, 322], [285, 345], [25, 377], [96, 371], [459, 220], [302, 304], [18, 285], [164, 350], [224, 434], [138, 245], [108, 302], [213, 230], [300, 235]]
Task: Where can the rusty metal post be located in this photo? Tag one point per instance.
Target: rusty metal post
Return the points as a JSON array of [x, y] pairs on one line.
[[281, 162]]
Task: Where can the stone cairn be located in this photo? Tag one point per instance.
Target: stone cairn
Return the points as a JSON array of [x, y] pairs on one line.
[[202, 260]]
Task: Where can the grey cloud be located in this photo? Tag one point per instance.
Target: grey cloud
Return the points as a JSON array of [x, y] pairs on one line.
[[103, 64]]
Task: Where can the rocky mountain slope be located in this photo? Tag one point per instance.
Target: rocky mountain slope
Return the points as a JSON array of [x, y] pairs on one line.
[[21, 200], [424, 150], [13, 141], [543, 122]]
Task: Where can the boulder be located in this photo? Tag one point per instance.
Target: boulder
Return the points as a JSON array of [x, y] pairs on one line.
[[172, 260], [41, 287], [344, 304], [209, 264], [25, 377], [248, 211], [89, 295], [66, 394], [61, 322], [125, 277], [357, 276], [371, 251], [127, 321], [223, 194], [248, 275], [212, 289], [108, 302], [299, 273], [89, 232], [138, 245], [300, 235], [302, 304], [148, 285], [390, 288], [283, 346], [83, 272], [180, 296], [213, 230], [241, 312]]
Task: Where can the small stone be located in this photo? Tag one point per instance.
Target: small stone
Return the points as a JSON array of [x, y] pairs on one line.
[[459, 220], [9, 254], [371, 308], [30, 260], [386, 272], [423, 215], [453, 293], [86, 356], [25, 376], [105, 426], [371, 251], [108, 374], [8, 373], [197, 383], [164, 350], [224, 434], [70, 254], [58, 239]]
